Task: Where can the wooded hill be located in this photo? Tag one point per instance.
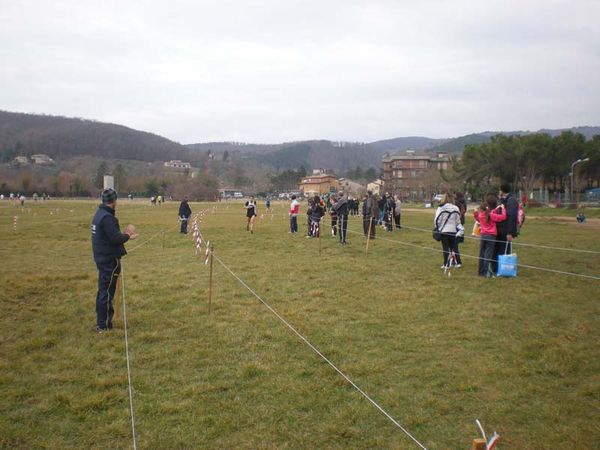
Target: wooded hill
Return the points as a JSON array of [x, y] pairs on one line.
[[62, 138]]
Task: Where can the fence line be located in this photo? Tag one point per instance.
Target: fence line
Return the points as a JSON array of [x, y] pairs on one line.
[[545, 269], [524, 244]]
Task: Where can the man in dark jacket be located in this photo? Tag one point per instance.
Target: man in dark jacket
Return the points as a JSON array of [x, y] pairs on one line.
[[507, 230], [372, 208], [184, 214], [341, 209], [108, 248]]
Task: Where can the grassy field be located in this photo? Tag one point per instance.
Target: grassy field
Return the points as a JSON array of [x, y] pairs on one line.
[[436, 352]]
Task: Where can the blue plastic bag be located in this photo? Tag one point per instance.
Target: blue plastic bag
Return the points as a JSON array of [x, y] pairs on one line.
[[507, 264]]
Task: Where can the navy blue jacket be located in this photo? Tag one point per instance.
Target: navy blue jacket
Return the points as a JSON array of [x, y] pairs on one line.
[[341, 207], [107, 239], [509, 226], [185, 210]]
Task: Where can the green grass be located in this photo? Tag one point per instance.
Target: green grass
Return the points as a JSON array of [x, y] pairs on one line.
[[435, 352]]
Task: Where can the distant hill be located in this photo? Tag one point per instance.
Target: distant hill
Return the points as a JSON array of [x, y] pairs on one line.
[[410, 142], [62, 137]]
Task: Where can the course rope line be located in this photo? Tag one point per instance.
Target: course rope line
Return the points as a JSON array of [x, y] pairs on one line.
[[523, 244], [127, 357], [462, 255], [316, 350]]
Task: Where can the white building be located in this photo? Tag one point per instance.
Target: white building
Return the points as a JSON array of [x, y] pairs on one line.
[[177, 164], [42, 159], [21, 160]]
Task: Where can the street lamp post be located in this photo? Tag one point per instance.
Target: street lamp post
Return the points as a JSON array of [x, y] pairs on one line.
[[572, 173]]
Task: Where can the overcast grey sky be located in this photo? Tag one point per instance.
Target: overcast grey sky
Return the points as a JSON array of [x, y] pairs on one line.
[[281, 70]]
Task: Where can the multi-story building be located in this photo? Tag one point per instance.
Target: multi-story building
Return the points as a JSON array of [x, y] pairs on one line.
[[319, 184], [415, 176]]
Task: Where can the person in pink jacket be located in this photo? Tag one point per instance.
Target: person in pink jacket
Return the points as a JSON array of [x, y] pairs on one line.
[[487, 215]]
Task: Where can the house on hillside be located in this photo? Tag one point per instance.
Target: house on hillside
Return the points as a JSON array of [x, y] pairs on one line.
[[414, 176], [41, 159], [319, 184], [20, 160], [177, 164]]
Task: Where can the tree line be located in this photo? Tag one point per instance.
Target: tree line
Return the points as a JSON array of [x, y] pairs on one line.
[[529, 162]]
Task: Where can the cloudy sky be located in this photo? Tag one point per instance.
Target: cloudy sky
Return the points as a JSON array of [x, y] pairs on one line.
[[281, 70]]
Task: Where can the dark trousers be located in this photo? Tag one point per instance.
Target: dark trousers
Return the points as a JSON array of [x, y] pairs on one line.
[[294, 224], [397, 220], [448, 245], [373, 225], [334, 227], [184, 224], [108, 274], [486, 254], [502, 247], [366, 225], [388, 221], [343, 220]]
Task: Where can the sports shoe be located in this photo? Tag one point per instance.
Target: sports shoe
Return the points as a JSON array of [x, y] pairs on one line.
[[444, 267], [458, 266], [101, 330]]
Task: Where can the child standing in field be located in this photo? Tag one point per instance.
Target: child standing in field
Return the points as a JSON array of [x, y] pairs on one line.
[[488, 214], [250, 214]]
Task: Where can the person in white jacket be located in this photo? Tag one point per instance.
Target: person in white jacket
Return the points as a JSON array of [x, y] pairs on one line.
[[447, 221]]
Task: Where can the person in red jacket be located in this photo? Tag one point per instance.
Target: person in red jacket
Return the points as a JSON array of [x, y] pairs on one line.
[[488, 214]]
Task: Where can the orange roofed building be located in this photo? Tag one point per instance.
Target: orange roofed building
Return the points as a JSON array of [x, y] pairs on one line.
[[319, 184]]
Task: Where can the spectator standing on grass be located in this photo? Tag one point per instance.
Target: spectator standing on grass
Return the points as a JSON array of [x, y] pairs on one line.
[[372, 213], [294, 209], [381, 208], [317, 211], [397, 211], [250, 206], [184, 214], [334, 217], [341, 209], [389, 212], [268, 204], [461, 203], [488, 214], [508, 228], [108, 248], [365, 216], [447, 222], [22, 199]]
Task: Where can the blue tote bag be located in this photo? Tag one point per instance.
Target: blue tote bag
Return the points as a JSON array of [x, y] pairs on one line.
[[507, 264]]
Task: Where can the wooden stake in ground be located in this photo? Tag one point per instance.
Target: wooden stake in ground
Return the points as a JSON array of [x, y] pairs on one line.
[[369, 235], [478, 444], [210, 277]]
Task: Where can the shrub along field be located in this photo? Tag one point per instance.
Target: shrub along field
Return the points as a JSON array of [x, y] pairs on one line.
[[436, 352]]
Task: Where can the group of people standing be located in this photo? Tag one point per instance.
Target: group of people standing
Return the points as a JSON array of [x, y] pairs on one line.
[[337, 206], [497, 218]]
